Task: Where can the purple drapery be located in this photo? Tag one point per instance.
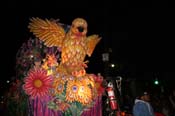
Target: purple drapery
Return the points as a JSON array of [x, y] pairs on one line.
[[96, 110], [39, 108]]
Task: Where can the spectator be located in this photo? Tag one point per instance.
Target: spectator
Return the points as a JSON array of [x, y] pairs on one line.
[[142, 107]]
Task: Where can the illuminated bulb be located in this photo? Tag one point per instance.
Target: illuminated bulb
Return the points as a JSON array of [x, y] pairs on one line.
[[112, 65]]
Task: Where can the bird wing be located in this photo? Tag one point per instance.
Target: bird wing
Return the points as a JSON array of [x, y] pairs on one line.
[[91, 42], [49, 32]]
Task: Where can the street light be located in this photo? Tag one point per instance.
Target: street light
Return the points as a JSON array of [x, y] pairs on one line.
[[156, 82], [112, 65]]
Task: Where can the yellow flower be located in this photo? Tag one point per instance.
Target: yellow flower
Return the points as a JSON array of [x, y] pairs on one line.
[[72, 90]]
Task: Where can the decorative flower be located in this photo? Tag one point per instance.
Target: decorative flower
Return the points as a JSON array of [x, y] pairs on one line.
[[58, 86], [84, 95], [37, 83], [59, 82], [72, 91], [77, 91], [51, 60]]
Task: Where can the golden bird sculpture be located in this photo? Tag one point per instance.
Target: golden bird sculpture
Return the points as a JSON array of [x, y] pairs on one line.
[[74, 44]]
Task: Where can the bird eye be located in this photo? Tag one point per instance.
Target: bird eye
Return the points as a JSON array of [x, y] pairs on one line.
[[80, 29]]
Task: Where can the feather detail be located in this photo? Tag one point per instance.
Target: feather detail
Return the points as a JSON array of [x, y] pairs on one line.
[[91, 42], [49, 32]]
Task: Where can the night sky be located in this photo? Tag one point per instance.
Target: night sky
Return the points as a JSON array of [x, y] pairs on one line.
[[139, 35]]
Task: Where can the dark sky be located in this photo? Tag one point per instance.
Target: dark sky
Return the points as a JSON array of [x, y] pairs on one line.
[[139, 34]]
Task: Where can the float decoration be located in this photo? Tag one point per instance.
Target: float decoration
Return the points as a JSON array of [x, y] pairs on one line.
[[29, 55], [62, 86]]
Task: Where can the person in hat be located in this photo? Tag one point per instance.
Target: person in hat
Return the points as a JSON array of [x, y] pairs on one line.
[[142, 107]]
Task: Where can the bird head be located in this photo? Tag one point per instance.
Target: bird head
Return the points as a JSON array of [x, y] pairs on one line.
[[79, 27]]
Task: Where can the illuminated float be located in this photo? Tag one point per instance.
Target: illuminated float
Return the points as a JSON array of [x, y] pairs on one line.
[[58, 84]]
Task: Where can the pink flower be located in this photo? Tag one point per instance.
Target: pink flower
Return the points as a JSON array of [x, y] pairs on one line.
[[37, 83]]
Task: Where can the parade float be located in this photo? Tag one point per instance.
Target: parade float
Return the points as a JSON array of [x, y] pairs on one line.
[[51, 70]]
